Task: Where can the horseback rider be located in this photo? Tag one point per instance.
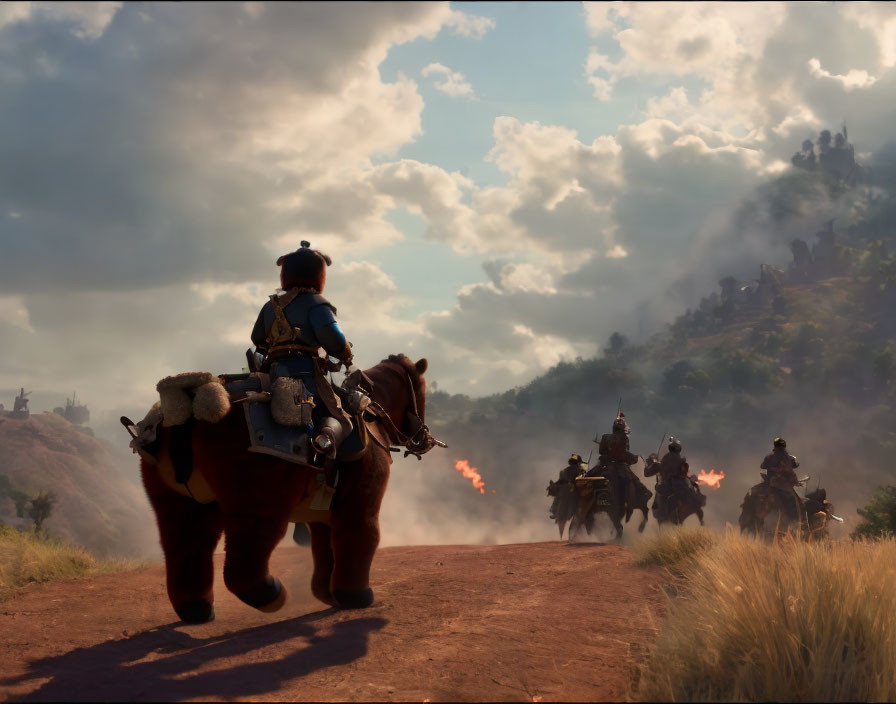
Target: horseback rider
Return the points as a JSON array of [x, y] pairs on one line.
[[672, 473], [779, 466], [291, 329], [780, 474], [615, 459], [564, 487]]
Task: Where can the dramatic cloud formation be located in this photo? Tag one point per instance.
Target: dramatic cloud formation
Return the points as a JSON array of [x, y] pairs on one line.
[[156, 159]]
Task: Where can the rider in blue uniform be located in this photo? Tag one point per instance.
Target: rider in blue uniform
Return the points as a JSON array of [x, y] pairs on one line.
[[291, 329]]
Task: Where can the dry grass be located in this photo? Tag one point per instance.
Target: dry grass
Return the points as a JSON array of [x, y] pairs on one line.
[[26, 558], [794, 622], [674, 547]]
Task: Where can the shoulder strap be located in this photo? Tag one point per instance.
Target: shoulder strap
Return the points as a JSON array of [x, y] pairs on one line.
[[281, 331]]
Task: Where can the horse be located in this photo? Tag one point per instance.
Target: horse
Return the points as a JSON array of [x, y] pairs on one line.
[[677, 507], [255, 496], [606, 494], [768, 514]]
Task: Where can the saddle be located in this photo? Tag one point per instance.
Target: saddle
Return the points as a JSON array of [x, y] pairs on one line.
[[186, 398], [292, 442]]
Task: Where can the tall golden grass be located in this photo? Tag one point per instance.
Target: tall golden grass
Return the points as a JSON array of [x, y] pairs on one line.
[[674, 547], [792, 622], [26, 557]]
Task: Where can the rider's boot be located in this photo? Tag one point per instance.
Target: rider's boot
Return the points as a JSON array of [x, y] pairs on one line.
[[330, 434]]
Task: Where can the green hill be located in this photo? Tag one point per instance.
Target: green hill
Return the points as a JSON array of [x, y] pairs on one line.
[[98, 507], [805, 351]]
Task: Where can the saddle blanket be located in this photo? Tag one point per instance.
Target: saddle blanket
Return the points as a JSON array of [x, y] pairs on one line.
[[292, 443]]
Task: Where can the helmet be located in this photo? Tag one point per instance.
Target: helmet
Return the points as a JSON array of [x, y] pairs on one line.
[[674, 445], [305, 267], [780, 443], [619, 425], [575, 459]]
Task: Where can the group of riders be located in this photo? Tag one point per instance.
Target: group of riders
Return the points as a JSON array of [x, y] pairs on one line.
[[678, 492], [297, 322]]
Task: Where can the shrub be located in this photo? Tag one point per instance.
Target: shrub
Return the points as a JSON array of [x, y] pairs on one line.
[[879, 516], [673, 546]]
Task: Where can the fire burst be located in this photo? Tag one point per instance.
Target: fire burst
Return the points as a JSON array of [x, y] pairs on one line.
[[711, 478], [463, 466]]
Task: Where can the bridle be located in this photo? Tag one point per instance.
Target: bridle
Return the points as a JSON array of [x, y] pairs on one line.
[[420, 440]]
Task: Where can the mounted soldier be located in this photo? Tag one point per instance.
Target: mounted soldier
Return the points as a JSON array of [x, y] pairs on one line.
[[564, 489], [673, 482], [780, 474], [780, 466], [615, 461], [291, 329]]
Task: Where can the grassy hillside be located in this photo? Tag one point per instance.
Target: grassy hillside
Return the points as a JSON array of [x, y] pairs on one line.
[[98, 506], [26, 558], [805, 351]]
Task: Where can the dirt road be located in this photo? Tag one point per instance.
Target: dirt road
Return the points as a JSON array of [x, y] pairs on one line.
[[535, 622]]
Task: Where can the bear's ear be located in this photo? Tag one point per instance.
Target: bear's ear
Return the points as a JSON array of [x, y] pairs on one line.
[[421, 365]]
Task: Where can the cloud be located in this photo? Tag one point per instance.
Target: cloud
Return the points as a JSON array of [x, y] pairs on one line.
[[190, 140], [454, 84], [14, 313], [674, 106], [116, 347], [86, 20], [852, 80], [468, 25], [186, 150]]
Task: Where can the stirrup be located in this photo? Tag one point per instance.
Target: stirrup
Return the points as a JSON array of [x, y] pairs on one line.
[[325, 443]]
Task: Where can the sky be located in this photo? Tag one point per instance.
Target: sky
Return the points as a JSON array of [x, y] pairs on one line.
[[500, 185]]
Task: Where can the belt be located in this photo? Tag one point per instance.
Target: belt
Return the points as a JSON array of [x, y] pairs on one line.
[[292, 351]]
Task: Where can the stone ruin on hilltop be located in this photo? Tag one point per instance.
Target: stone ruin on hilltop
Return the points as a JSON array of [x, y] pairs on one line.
[[74, 412], [19, 407]]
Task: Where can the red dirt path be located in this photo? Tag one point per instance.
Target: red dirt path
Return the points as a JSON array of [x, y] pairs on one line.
[[534, 622]]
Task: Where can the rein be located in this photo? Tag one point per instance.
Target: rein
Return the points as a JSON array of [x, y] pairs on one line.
[[420, 441]]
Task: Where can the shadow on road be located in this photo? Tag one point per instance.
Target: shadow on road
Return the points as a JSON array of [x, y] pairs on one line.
[[586, 545], [161, 664]]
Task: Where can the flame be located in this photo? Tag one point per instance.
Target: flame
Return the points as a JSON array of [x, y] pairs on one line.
[[463, 466], [711, 478]]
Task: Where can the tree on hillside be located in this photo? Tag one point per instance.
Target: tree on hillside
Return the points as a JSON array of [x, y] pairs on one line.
[[878, 516], [675, 376], [728, 285], [616, 345], [41, 507], [17, 496]]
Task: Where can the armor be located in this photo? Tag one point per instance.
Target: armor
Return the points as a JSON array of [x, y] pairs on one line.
[[615, 458], [614, 447], [672, 480], [564, 489], [781, 477], [780, 467]]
